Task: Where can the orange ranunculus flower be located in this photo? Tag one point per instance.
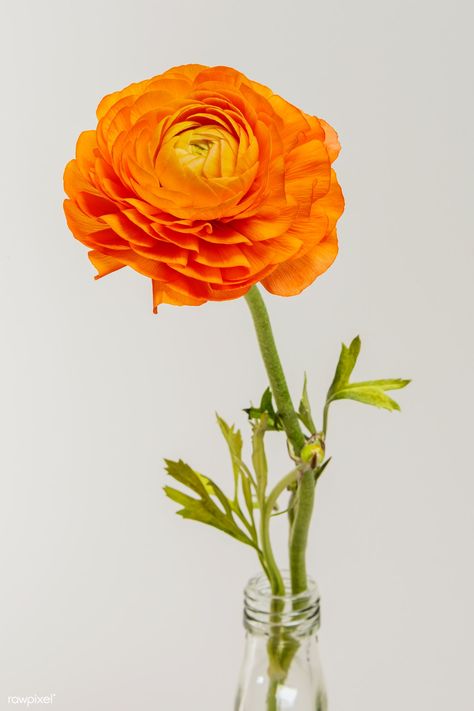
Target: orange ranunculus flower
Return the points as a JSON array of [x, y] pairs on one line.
[[207, 183]]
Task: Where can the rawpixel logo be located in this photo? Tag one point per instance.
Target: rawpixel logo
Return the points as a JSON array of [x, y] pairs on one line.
[[31, 700]]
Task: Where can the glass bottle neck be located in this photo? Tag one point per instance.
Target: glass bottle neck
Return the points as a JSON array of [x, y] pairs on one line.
[[295, 616]]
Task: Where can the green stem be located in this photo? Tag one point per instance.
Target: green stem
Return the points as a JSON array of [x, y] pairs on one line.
[[278, 490], [278, 586], [299, 532], [272, 695], [274, 369], [272, 570], [325, 418], [301, 516]]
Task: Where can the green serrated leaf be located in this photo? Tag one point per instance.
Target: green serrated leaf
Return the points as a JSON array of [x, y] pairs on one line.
[[345, 366], [183, 473], [178, 496], [233, 438], [206, 512], [388, 384], [207, 483], [304, 409], [369, 392], [204, 508], [214, 490], [368, 395]]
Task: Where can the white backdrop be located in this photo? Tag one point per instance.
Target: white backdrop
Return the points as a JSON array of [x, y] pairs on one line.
[[110, 601]]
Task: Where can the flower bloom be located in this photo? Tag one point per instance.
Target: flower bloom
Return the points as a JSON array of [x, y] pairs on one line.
[[207, 183]]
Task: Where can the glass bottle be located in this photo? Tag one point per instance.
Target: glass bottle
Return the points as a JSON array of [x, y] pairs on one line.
[[281, 670]]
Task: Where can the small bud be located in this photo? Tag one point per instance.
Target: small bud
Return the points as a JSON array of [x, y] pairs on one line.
[[313, 452]]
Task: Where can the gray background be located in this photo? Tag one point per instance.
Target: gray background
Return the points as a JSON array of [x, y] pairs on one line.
[[108, 600]]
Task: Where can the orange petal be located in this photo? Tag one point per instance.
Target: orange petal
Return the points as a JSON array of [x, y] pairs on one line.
[[331, 205], [148, 267], [80, 224], [294, 122], [179, 238], [308, 171], [95, 205], [109, 182], [200, 272], [111, 100], [266, 227], [128, 230], [85, 151], [331, 140], [227, 255], [75, 182], [164, 252], [271, 252], [292, 277], [224, 234], [103, 263], [165, 294]]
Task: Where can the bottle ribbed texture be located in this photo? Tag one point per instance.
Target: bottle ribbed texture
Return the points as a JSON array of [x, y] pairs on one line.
[[299, 615]]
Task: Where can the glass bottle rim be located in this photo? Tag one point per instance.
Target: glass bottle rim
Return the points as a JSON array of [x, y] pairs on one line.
[[258, 587], [264, 613]]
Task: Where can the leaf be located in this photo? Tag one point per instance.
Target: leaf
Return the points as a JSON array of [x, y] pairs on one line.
[[198, 510], [259, 459], [368, 395], [265, 408], [388, 384], [207, 483], [204, 508], [252, 412], [200, 484], [266, 403], [369, 392], [210, 486], [304, 409], [347, 360], [183, 473], [241, 472], [247, 492], [234, 442], [323, 466]]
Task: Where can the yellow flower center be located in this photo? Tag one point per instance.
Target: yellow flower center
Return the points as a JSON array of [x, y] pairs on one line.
[[208, 151]]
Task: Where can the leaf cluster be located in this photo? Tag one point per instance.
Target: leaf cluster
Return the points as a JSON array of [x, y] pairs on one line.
[[205, 501], [233, 515], [369, 392]]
